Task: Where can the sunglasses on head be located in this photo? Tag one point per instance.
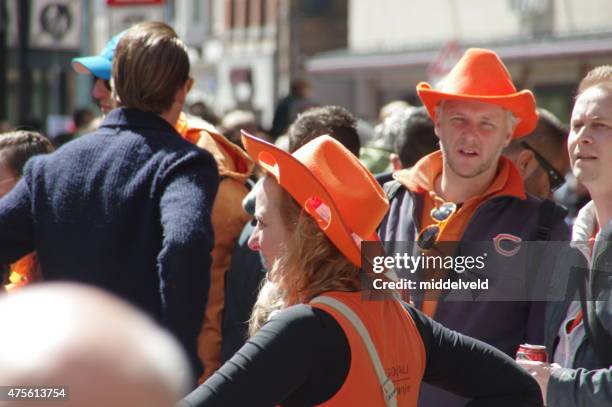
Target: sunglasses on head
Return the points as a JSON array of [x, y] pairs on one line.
[[440, 215], [555, 178]]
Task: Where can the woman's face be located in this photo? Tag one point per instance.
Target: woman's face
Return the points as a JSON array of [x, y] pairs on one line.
[[8, 177], [270, 232]]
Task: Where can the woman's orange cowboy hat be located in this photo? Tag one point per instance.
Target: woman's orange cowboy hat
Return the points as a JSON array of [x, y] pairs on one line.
[[329, 183], [481, 75]]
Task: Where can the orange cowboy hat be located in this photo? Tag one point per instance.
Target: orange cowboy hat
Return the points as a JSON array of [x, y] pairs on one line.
[[329, 183], [481, 75]]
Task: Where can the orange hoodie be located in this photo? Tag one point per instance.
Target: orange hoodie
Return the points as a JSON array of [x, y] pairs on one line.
[[228, 218]]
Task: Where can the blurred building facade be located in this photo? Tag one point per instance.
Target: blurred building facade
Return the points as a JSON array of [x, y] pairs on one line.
[[244, 53], [548, 45], [258, 46], [38, 39]]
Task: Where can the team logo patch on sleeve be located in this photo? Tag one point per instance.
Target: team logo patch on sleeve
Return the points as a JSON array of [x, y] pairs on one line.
[[506, 244]]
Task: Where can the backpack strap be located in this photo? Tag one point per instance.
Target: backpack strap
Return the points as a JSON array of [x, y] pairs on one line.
[[387, 386], [549, 212]]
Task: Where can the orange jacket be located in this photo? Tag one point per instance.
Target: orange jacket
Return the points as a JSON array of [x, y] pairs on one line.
[[422, 178], [228, 218], [398, 344]]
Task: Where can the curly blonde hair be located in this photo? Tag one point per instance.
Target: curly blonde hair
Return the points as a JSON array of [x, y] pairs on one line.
[[309, 265]]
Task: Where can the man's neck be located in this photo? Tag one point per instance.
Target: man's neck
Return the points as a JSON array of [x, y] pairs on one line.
[[171, 116], [454, 188], [602, 200]]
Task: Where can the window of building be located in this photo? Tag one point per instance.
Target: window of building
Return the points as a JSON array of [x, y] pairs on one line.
[[196, 11]]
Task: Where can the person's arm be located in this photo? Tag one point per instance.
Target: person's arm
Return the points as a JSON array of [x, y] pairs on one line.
[[188, 188], [473, 369], [579, 387], [16, 224], [283, 363]]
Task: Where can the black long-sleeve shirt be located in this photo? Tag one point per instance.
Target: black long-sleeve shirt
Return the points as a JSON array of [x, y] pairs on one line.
[[301, 357]]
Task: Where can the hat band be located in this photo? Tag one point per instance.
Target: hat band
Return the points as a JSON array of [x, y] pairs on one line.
[[321, 212]]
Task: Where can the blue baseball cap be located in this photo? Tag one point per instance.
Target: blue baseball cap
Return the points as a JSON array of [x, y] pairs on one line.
[[98, 65]]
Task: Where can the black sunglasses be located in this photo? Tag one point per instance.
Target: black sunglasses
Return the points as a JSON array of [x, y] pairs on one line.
[[428, 236], [555, 178]]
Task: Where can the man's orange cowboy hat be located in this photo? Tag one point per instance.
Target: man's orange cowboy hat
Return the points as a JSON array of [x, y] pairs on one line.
[[481, 75], [331, 185]]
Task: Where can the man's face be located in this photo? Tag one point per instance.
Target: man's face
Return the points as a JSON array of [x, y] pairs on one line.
[[472, 136], [101, 92], [590, 139], [270, 233]]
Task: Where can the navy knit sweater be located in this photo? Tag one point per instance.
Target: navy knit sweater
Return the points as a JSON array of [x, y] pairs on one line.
[[126, 208]]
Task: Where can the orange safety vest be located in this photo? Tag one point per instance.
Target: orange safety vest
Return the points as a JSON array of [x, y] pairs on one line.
[[397, 342]]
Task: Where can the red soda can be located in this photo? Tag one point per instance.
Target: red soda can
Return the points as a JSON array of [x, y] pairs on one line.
[[536, 353]]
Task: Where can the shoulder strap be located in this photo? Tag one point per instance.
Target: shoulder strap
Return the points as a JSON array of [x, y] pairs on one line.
[[549, 212], [386, 384], [391, 188]]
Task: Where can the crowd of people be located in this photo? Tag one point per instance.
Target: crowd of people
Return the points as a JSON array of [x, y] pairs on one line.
[[157, 257]]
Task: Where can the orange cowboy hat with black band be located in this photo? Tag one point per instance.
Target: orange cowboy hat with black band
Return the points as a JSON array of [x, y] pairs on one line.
[[331, 185], [481, 75]]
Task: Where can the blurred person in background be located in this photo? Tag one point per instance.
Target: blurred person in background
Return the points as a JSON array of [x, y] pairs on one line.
[[127, 208], [235, 120], [335, 121], [377, 150], [573, 195], [411, 133], [228, 218], [202, 110], [287, 110], [314, 340], [395, 106], [541, 157], [99, 349], [16, 148], [83, 120]]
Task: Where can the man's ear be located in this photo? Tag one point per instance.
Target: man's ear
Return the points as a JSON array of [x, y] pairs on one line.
[[181, 94], [437, 127], [526, 163]]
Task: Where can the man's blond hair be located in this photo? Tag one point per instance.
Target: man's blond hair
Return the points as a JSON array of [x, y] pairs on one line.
[[600, 76], [150, 65]]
